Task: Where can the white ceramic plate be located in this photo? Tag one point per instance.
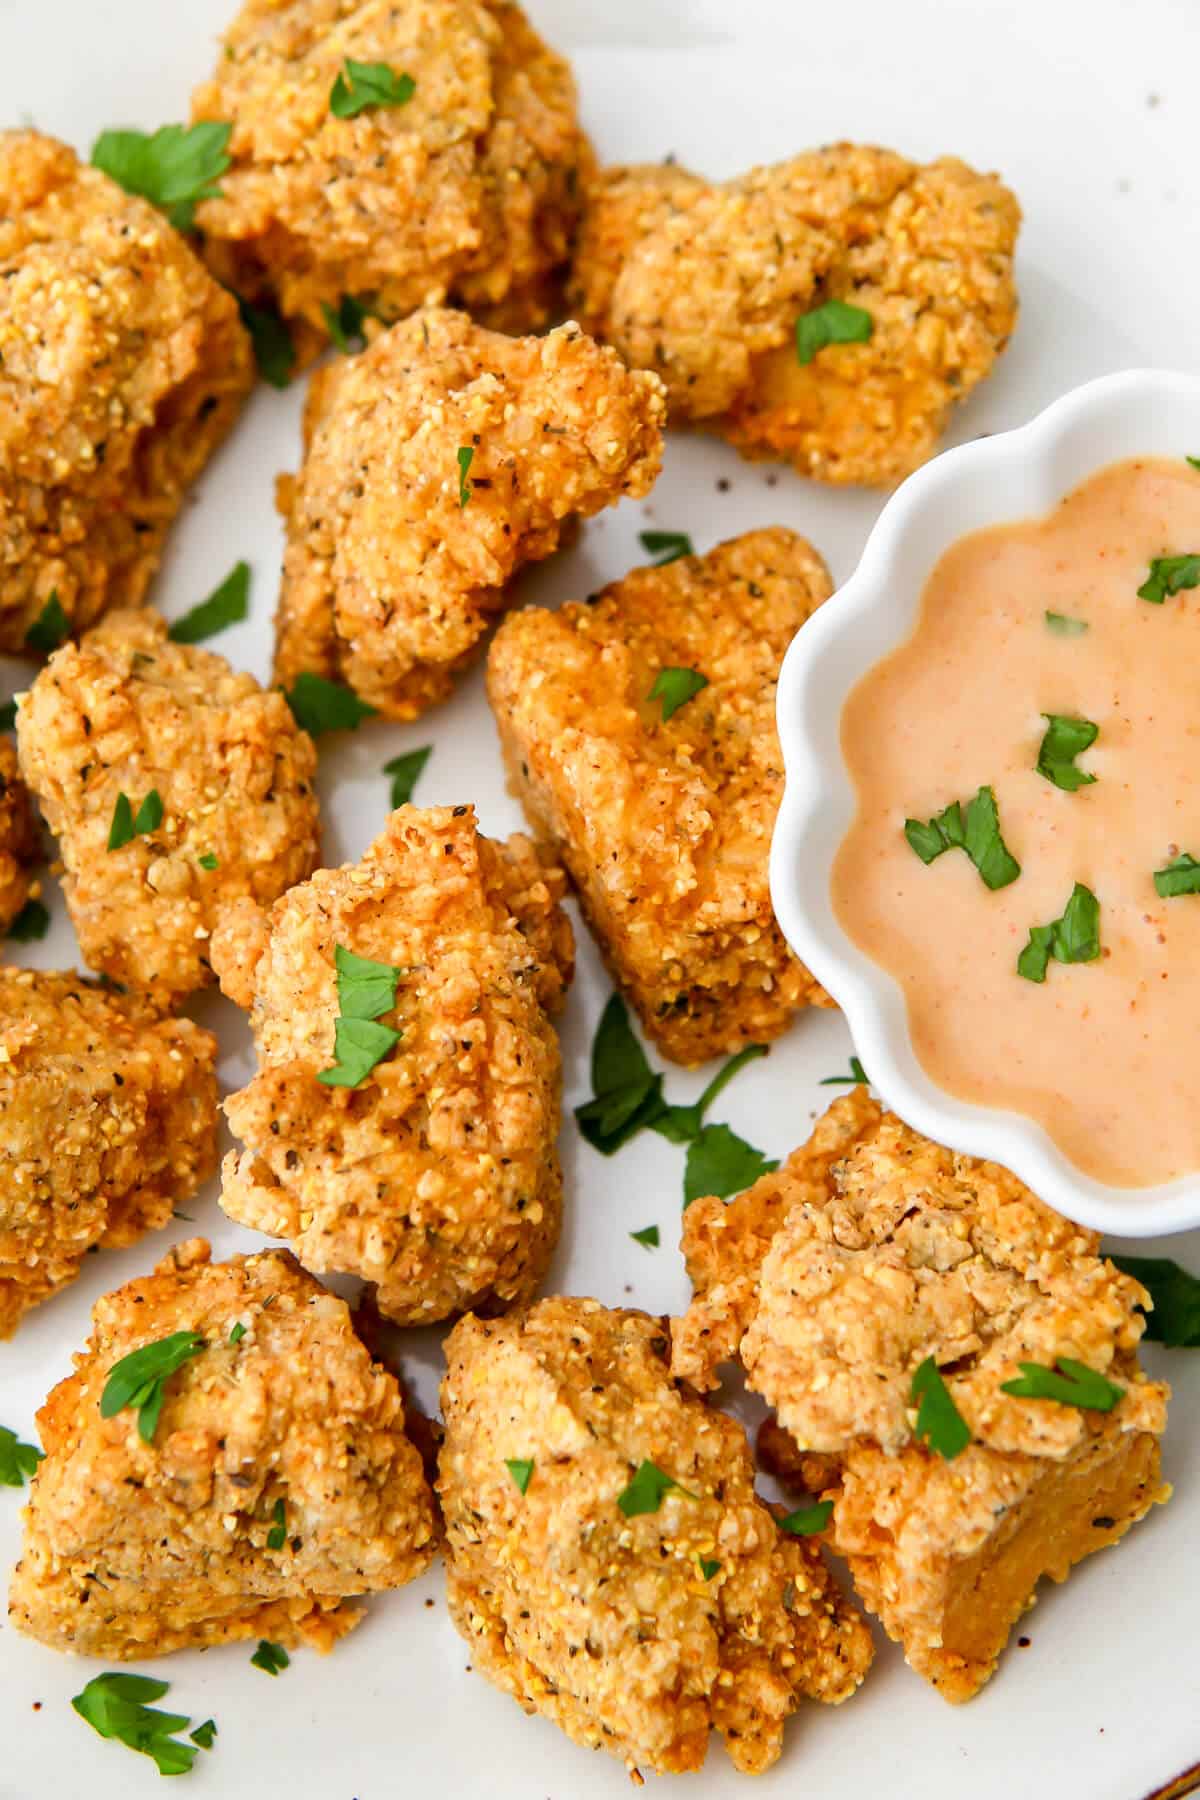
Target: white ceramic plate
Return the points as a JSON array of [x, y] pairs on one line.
[[1105, 1702]]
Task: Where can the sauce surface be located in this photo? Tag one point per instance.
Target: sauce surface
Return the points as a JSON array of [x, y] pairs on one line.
[[1103, 1053]]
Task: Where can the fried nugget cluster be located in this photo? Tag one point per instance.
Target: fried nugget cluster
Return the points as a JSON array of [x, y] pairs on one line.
[[665, 823], [435, 1177], [126, 711], [20, 839], [281, 1418], [122, 366], [704, 283], [437, 462], [638, 1627], [108, 1121], [834, 1280], [470, 188]]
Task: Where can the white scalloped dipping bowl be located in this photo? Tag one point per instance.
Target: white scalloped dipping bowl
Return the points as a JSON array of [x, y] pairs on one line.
[[1011, 476]]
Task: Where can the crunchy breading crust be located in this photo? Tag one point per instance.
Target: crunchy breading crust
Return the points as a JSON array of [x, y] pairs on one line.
[[127, 711], [20, 839], [389, 580], [665, 826], [472, 189], [135, 1549], [122, 366], [604, 1623], [108, 1121], [437, 1178], [704, 283]]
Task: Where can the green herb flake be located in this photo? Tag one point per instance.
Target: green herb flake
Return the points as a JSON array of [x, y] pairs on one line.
[[362, 86], [939, 1422], [1175, 1296], [270, 1658], [466, 457], [647, 1489], [675, 687], [1064, 740], [708, 1569], [208, 861], [227, 605], [366, 990], [1170, 575], [359, 1045], [683, 1124], [405, 772], [521, 1470], [1062, 625], [175, 167], [345, 323], [979, 835], [274, 351], [18, 1461], [139, 1379], [806, 1521], [237, 1334], [50, 628], [277, 1536], [204, 1735], [30, 925], [1074, 938], [857, 1077], [8, 715], [1069, 1383], [648, 1236], [720, 1163], [319, 705], [627, 1094], [1181, 876], [835, 322], [127, 825], [114, 1704], [666, 546], [1192, 461]]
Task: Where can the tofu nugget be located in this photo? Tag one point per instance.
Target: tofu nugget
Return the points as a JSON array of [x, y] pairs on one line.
[[128, 713], [108, 1121], [468, 183], [20, 840], [275, 1484], [706, 283], [122, 366], [422, 1159], [437, 462], [662, 817], [608, 1560], [872, 1253]]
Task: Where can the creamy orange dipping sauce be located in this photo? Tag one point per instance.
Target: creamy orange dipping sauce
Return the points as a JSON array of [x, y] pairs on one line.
[[1102, 1053]]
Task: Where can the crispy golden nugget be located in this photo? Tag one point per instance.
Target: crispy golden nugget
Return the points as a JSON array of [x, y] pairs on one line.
[[471, 189], [436, 1177], [108, 1121], [665, 824], [638, 1627], [122, 366], [835, 1279], [125, 711], [20, 840], [705, 282], [133, 1549], [397, 558]]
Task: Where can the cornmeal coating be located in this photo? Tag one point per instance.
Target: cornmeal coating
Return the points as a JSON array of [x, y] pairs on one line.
[[470, 190], [126, 711], [665, 825], [20, 839], [389, 579], [835, 1278], [135, 1549], [437, 1178], [108, 1121], [704, 282], [122, 366], [606, 1623]]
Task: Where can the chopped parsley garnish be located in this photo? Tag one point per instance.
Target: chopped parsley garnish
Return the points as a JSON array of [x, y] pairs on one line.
[[319, 705], [237, 1334], [274, 351], [271, 1658], [978, 834], [30, 925], [1062, 625], [204, 1734], [208, 861], [521, 1470], [1065, 739], [226, 605], [648, 1236], [1193, 460], [8, 714], [1069, 1383], [127, 825], [666, 546], [366, 990], [466, 457], [140, 1379], [175, 167], [361, 86], [1175, 1320], [675, 687], [344, 323], [835, 322], [627, 1092], [647, 1489], [683, 1124], [857, 1077], [114, 1704], [709, 1569], [405, 772], [1181, 876], [1170, 575], [18, 1461], [806, 1521], [939, 1422], [277, 1536], [50, 628], [1075, 938], [720, 1163]]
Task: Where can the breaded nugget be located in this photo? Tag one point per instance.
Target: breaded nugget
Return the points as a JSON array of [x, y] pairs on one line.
[[20, 840], [834, 1280], [108, 1121], [436, 1178], [638, 1629], [471, 189], [291, 1432], [665, 824], [705, 282], [126, 711], [122, 366], [397, 559]]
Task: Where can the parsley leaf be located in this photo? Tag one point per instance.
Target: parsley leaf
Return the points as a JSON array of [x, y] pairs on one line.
[[274, 351], [806, 1521], [721, 1163], [346, 323], [466, 457], [358, 1046], [1075, 938], [364, 85], [1175, 1320], [681, 1124], [939, 1422], [405, 772], [277, 1536], [1062, 625], [979, 835], [319, 705], [50, 628], [521, 1470], [857, 1077], [366, 990], [269, 1657], [1170, 575], [648, 1236], [237, 1334], [139, 1379], [627, 1092], [126, 825], [1069, 1383], [1193, 460], [204, 1734], [1065, 739], [114, 1705], [8, 714], [226, 605], [666, 546], [175, 167], [17, 1460], [1181, 876], [836, 322], [675, 687], [208, 861], [645, 1492], [30, 925], [709, 1569]]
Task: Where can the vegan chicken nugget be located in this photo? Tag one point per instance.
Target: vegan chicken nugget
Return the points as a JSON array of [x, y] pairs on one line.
[[705, 283], [122, 366], [277, 1483], [426, 1164], [20, 841], [127, 712], [664, 822], [608, 1560], [437, 462]]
